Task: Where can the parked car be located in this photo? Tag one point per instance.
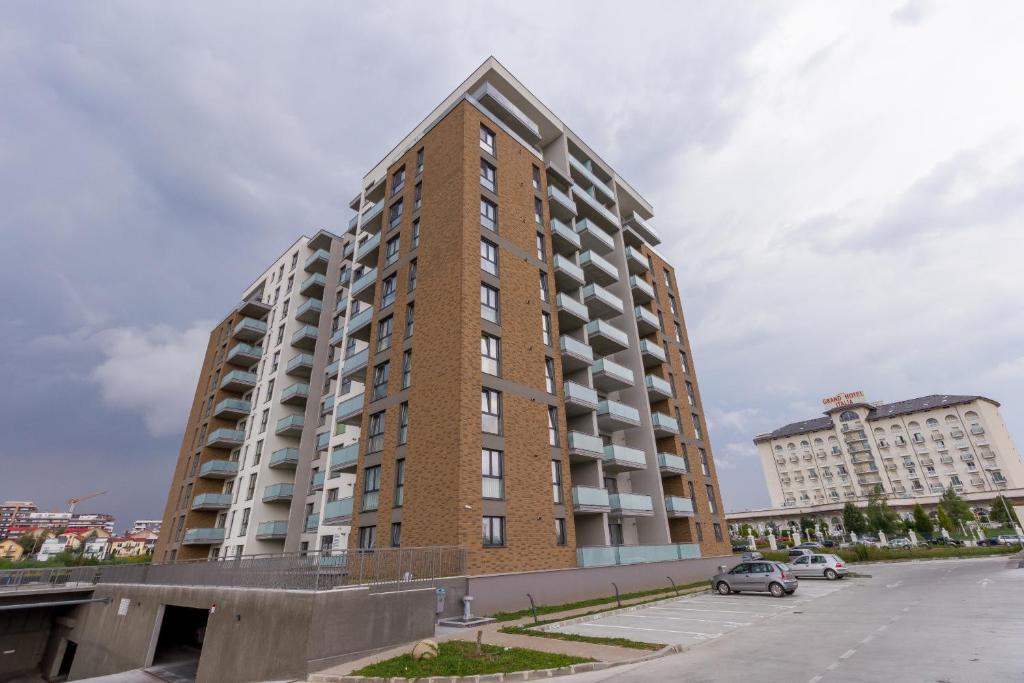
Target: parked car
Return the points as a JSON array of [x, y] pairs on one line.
[[819, 566], [799, 552], [1008, 539], [774, 577], [899, 543], [810, 545], [751, 555], [941, 540], [989, 541], [739, 546], [828, 544]]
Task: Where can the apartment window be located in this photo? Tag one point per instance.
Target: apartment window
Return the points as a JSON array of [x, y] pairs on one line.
[[490, 411], [556, 481], [419, 161], [488, 214], [685, 361], [538, 211], [371, 488], [416, 233], [291, 283], [395, 214], [690, 395], [487, 141], [488, 175], [490, 359], [549, 375], [380, 381], [259, 453], [387, 292], [711, 499], [391, 251], [403, 424], [396, 534], [718, 531], [284, 307], [384, 329], [545, 327], [493, 480], [679, 332], [412, 275], [494, 531], [280, 334], [399, 483], [252, 487], [406, 369], [543, 286], [704, 462], [263, 420], [244, 526], [417, 196], [560, 535], [700, 533], [553, 426], [668, 278], [295, 260], [536, 178], [488, 257], [410, 319], [367, 537], [672, 305], [697, 434], [375, 440], [397, 181], [489, 303], [615, 533]]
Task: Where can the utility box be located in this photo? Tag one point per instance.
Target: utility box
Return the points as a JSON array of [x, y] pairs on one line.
[[441, 593]]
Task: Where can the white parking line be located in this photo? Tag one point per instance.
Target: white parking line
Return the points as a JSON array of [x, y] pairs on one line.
[[867, 640], [847, 654], [695, 634], [733, 624], [815, 679]]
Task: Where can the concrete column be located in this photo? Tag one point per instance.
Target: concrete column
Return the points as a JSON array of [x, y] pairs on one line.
[[772, 542]]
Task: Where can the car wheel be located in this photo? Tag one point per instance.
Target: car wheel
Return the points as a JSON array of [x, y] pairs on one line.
[[776, 590], [831, 575], [723, 588]]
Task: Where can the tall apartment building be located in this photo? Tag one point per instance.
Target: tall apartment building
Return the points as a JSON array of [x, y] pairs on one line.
[[501, 359], [14, 513]]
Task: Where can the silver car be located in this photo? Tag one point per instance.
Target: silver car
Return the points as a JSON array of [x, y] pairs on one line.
[[773, 577], [819, 566]]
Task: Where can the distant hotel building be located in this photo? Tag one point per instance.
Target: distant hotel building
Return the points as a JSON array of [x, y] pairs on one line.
[[542, 412], [141, 525], [14, 513], [913, 450]]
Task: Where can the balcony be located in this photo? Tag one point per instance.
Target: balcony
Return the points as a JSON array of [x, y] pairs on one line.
[[359, 324], [585, 447], [580, 170], [371, 217], [658, 389], [295, 394], [642, 229], [225, 438], [323, 440], [278, 493], [345, 458], [350, 412], [651, 354], [568, 276], [564, 238], [272, 531], [218, 469], [677, 506], [317, 261], [664, 425], [561, 205], [249, 330], [578, 398], [605, 338], [317, 483], [290, 425], [623, 459], [977, 430], [597, 269], [337, 337], [643, 292], [646, 321], [590, 500], [670, 464], [610, 376], [355, 366], [572, 315], [313, 285], [309, 312], [338, 511], [305, 337], [636, 261], [368, 251], [606, 556], [508, 113], [312, 522], [595, 209], [342, 304], [363, 287], [238, 382], [575, 354], [211, 501], [284, 459], [254, 307], [332, 369], [630, 505], [244, 355], [300, 365], [203, 536], [593, 237], [613, 416], [600, 302], [232, 409]]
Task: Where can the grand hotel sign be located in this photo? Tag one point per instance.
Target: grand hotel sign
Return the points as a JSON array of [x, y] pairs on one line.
[[843, 399]]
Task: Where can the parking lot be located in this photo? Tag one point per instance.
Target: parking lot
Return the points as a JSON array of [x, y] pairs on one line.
[[940, 621]]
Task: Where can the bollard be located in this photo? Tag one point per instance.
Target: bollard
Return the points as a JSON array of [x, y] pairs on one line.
[[533, 608], [673, 585], [617, 598]]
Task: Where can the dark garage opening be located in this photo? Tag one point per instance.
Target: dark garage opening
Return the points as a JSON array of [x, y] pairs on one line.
[[67, 660], [180, 642]]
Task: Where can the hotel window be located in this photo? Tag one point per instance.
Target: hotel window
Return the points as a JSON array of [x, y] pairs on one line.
[[384, 333], [387, 292], [403, 424], [380, 381], [488, 214], [396, 534], [397, 181], [549, 375], [412, 275], [417, 196], [487, 141], [536, 178], [494, 531], [371, 488], [410, 319], [489, 303], [543, 286], [553, 426], [711, 499], [556, 482], [538, 211], [416, 233], [560, 535], [491, 469], [391, 251], [488, 257], [419, 161], [399, 483], [696, 427], [488, 175], [545, 327], [375, 440], [406, 369], [395, 215], [490, 411], [367, 537], [490, 359]]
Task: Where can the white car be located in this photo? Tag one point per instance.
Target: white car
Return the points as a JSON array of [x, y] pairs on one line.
[[1008, 539], [818, 566]]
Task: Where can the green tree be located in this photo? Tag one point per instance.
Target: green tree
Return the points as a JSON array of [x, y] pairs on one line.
[[956, 508], [854, 520], [745, 530], [944, 521], [806, 526], [1003, 512], [27, 542], [880, 516], [922, 522]]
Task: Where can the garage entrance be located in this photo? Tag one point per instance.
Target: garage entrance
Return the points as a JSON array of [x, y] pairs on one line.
[[180, 643]]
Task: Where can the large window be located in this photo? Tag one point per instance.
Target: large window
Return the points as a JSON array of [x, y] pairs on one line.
[[545, 327], [488, 175], [490, 360], [549, 375], [487, 141], [488, 214], [387, 293], [417, 196], [403, 424], [407, 369], [697, 432], [704, 468], [553, 426], [412, 275], [493, 478], [410, 319], [380, 381], [490, 411], [375, 436], [391, 251], [396, 534], [371, 488], [711, 499], [489, 303], [494, 531], [397, 181], [384, 333], [543, 287], [556, 481], [560, 535], [399, 483], [367, 537], [395, 215], [488, 257]]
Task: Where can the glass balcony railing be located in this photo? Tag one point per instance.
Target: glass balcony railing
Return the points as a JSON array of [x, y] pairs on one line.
[[677, 506], [332, 369], [672, 464], [245, 354], [203, 536], [236, 380], [651, 349], [309, 312], [359, 320], [560, 199], [278, 492], [562, 233], [663, 424], [591, 177], [624, 457], [274, 530], [284, 458], [318, 261], [601, 302], [218, 469], [618, 412], [657, 387], [604, 213], [351, 410], [368, 247], [249, 329], [642, 289], [211, 501], [232, 408], [314, 283], [615, 375], [355, 363], [365, 280], [567, 274], [571, 313], [577, 394], [345, 457], [312, 522], [586, 444], [338, 511], [589, 497], [598, 269], [318, 481], [647, 321], [593, 237], [225, 438], [305, 336], [290, 425], [636, 261], [635, 503], [605, 556], [301, 364], [601, 330], [574, 347], [295, 393]]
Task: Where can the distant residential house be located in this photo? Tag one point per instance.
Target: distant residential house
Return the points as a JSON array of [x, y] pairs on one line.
[[11, 550], [59, 544], [129, 546], [96, 548]]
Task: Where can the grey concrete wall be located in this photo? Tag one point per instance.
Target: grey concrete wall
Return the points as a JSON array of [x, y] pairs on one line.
[[507, 592], [23, 637]]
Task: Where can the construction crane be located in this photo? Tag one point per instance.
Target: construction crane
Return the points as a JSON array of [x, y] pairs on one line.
[[72, 502]]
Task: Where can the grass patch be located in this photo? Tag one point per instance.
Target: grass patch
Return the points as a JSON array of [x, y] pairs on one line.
[[456, 658], [867, 553], [617, 642], [593, 602]]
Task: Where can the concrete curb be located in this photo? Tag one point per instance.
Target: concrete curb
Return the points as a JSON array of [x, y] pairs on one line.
[[622, 610]]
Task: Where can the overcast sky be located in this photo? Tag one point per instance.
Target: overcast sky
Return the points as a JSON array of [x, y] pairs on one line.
[[840, 187]]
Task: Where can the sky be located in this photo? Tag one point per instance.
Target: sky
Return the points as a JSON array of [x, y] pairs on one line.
[[840, 186]]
